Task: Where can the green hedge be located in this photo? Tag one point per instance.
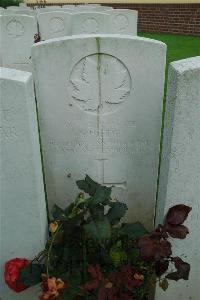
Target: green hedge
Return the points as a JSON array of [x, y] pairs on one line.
[[5, 3]]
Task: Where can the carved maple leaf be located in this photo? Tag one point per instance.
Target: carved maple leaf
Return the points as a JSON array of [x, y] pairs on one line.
[[100, 79]]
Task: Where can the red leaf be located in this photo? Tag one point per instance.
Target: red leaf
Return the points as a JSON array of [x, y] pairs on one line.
[[91, 285], [148, 248], [161, 267], [183, 270], [165, 248], [95, 272], [177, 231], [182, 267], [177, 214]]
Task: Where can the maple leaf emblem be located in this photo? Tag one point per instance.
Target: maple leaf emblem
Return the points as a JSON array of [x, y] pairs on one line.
[[99, 80]]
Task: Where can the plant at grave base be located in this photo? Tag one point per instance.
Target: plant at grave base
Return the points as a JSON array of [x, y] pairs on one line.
[[91, 255]]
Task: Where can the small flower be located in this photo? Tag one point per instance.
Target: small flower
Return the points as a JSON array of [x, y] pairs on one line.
[[12, 273], [138, 276], [51, 287], [53, 227]]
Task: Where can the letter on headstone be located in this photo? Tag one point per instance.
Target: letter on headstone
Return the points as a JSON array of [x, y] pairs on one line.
[[100, 114], [180, 169], [22, 201]]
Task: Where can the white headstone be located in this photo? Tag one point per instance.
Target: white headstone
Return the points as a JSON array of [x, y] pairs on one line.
[[13, 7], [22, 4], [90, 23], [94, 9], [100, 114], [17, 36], [180, 169], [70, 6], [23, 217], [123, 21], [54, 24]]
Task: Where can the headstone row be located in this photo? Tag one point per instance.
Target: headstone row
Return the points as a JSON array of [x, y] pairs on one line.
[[17, 30]]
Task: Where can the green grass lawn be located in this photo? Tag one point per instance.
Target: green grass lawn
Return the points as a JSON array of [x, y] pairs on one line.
[[178, 46]]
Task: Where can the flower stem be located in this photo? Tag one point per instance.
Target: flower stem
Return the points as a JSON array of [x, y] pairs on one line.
[[50, 247]]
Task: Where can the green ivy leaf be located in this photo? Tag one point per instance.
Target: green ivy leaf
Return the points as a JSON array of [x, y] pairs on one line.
[[164, 284], [88, 185], [101, 195], [117, 254], [31, 275], [116, 212], [98, 229], [134, 230]]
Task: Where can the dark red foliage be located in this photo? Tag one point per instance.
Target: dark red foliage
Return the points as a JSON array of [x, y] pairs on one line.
[[183, 270], [156, 247], [177, 214], [112, 287]]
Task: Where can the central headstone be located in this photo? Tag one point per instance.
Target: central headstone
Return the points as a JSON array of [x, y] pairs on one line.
[[100, 114]]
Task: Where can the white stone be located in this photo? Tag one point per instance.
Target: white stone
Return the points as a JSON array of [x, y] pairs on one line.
[[17, 37], [13, 7], [102, 123], [123, 21], [70, 6], [22, 4], [23, 220], [180, 169], [93, 8], [54, 24], [90, 22]]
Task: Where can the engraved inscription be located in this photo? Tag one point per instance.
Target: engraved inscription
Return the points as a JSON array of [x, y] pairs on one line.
[[15, 28], [90, 25], [8, 131], [121, 23], [56, 24], [99, 83]]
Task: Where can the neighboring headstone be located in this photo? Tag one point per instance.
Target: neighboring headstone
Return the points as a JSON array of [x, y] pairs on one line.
[[91, 8], [54, 24], [12, 7], [22, 4], [70, 6], [123, 21], [90, 23], [100, 114], [180, 169], [23, 224], [17, 36]]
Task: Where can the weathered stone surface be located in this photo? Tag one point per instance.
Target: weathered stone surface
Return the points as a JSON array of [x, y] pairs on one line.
[[17, 37], [23, 219], [90, 23], [54, 24], [100, 114], [180, 168], [123, 21]]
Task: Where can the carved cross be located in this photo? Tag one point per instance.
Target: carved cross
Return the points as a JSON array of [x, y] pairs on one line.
[[118, 184]]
